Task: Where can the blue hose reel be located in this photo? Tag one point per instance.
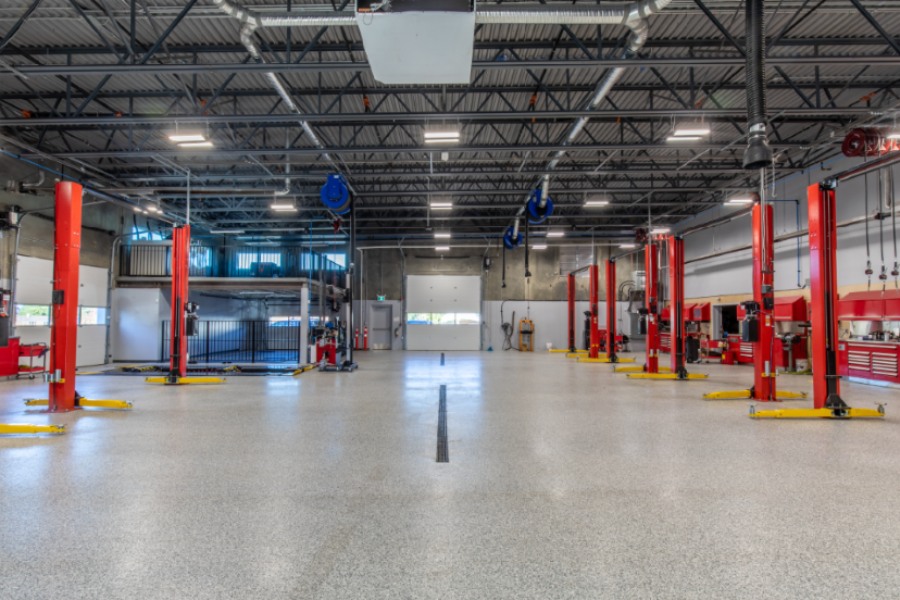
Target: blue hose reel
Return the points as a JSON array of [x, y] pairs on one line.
[[536, 214], [511, 242], [336, 194]]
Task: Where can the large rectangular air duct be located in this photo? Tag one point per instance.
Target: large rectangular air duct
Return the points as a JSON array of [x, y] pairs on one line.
[[418, 42]]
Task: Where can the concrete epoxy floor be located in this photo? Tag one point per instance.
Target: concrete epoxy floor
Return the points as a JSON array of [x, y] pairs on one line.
[[564, 481]]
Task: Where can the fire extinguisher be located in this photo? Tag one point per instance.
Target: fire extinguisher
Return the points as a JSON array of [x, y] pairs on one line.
[[365, 338]]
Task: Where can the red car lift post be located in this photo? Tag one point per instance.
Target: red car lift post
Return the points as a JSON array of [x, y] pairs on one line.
[[570, 295], [651, 314], [611, 311], [178, 344], [64, 326], [594, 350], [675, 246], [676, 304], [827, 402], [764, 388], [651, 302], [178, 356]]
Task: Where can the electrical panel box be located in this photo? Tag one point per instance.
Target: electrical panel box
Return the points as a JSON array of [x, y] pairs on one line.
[[750, 330]]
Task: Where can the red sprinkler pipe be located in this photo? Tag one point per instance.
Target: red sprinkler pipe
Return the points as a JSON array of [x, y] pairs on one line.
[[570, 295], [764, 297], [611, 311], [64, 330], [651, 268], [594, 350], [178, 356]]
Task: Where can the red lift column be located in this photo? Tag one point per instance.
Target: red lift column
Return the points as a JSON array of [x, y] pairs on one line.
[[651, 269], [764, 297], [64, 331], [181, 241], [594, 350], [570, 295], [611, 311], [676, 304], [823, 295]]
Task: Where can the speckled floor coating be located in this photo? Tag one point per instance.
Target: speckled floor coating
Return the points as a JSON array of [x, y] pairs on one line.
[[564, 481]]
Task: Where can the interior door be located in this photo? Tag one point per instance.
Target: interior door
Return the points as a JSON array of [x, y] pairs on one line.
[[382, 318]]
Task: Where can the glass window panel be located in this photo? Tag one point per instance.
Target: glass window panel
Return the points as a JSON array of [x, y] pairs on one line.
[[443, 318], [468, 319], [92, 315], [418, 318], [32, 315]]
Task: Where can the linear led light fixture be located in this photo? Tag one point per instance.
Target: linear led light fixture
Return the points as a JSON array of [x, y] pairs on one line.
[[660, 231], [740, 200], [539, 246], [627, 246], [684, 138], [278, 207], [441, 205], [226, 231], [442, 248], [556, 234], [691, 130], [595, 202], [894, 135], [204, 144], [180, 138], [442, 235], [443, 135]]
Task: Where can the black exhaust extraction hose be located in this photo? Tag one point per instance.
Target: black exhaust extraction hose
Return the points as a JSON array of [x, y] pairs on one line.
[[758, 154]]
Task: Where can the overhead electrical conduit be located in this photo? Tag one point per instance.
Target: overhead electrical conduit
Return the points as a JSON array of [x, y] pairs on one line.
[[633, 15]]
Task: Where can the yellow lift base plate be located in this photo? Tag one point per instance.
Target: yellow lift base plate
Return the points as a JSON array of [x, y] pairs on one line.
[[748, 395], [603, 359], [186, 380], [28, 429], [818, 413], [303, 370], [86, 403], [577, 354], [558, 350], [668, 376], [640, 369]]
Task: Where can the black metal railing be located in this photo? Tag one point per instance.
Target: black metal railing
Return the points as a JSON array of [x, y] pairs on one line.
[[240, 342], [155, 260]]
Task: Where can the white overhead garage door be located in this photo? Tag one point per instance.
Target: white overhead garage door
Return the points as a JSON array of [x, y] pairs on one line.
[[443, 312]]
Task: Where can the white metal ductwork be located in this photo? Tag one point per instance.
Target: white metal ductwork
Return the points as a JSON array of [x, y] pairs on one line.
[[411, 46]]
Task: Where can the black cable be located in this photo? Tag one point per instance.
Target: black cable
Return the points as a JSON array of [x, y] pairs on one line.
[[869, 270], [896, 270], [883, 275]]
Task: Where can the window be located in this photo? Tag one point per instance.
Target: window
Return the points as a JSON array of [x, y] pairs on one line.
[[338, 258], [443, 318], [245, 260], [145, 234], [32, 315], [92, 315], [284, 321]]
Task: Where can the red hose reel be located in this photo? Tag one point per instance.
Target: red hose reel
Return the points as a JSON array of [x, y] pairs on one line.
[[869, 141]]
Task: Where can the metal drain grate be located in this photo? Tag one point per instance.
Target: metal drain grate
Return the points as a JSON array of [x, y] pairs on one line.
[[443, 448]]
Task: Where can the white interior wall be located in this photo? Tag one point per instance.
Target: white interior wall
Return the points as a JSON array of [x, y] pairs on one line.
[[34, 285], [731, 273]]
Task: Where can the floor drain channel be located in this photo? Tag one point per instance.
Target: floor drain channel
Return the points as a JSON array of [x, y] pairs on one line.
[[443, 449]]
